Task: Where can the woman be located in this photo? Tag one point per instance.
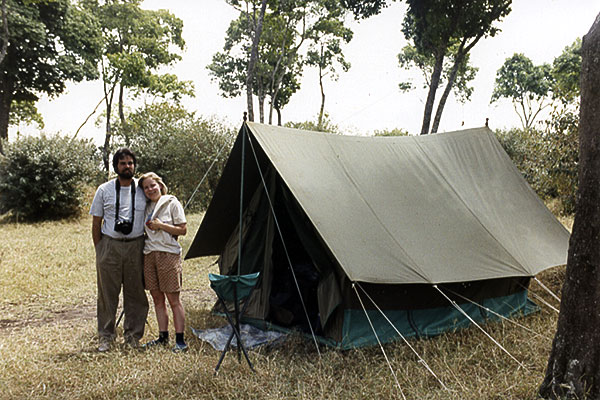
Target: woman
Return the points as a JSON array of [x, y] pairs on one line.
[[165, 221]]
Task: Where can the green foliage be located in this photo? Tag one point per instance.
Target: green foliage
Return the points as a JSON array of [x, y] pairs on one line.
[[25, 111], [391, 132], [532, 88], [326, 126], [525, 84], [548, 159], [287, 28], [566, 70], [561, 149], [364, 8], [180, 148], [434, 28], [51, 42], [46, 177], [136, 44]]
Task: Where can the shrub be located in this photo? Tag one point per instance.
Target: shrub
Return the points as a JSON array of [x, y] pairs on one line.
[[548, 159], [561, 147], [47, 177], [326, 126], [390, 132], [179, 147]]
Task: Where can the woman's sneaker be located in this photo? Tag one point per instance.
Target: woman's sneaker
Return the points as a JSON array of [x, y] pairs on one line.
[[180, 348], [155, 343]]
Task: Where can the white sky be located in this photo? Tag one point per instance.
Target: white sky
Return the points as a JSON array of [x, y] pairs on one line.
[[364, 99]]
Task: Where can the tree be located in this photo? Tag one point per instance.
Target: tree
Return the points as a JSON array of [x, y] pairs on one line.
[[256, 32], [4, 34], [364, 8], [573, 370], [287, 26], [410, 57], [50, 42], [566, 73], [434, 27], [136, 43], [527, 85], [26, 112], [325, 51]]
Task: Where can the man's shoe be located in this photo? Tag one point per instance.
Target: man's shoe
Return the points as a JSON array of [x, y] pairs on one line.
[[180, 348], [154, 343], [104, 346], [132, 343]]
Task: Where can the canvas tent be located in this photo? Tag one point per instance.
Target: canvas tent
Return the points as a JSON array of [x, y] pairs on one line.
[[324, 214]]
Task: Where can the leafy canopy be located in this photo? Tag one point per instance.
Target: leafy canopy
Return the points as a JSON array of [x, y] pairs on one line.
[[50, 43]]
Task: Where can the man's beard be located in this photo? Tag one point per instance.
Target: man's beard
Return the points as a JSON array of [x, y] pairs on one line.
[[126, 174]]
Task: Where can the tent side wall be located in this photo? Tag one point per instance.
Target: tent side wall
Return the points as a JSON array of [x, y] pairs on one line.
[[428, 322]]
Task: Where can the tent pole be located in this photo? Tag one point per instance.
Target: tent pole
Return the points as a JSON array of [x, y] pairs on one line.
[[239, 266]]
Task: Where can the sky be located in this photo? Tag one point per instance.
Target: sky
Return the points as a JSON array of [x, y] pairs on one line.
[[362, 100]]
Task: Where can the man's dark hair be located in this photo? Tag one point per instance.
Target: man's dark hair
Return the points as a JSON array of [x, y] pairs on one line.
[[119, 154]]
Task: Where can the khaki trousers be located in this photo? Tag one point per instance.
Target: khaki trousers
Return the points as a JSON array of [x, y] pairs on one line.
[[120, 263]]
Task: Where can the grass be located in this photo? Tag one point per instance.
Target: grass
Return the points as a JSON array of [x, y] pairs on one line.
[[48, 327]]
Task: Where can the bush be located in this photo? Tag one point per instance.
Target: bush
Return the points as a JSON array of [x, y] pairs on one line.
[[548, 159], [180, 148], [326, 126], [47, 177]]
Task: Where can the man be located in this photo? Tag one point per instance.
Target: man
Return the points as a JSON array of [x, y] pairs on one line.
[[118, 234]]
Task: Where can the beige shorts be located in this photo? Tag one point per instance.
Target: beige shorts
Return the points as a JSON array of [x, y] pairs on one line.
[[162, 271]]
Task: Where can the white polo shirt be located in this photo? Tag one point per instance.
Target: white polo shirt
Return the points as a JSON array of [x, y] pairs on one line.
[[104, 204]]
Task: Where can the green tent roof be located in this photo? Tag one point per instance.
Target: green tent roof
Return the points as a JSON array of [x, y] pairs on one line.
[[448, 207]]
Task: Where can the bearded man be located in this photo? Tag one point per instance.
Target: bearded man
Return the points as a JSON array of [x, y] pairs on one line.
[[118, 234]]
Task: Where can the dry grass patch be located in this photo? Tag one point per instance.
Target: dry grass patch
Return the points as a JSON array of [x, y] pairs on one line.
[[47, 341]]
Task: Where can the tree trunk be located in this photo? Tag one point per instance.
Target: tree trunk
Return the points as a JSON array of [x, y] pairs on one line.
[[261, 106], [108, 133], [253, 57], [573, 370], [322, 109], [6, 93], [278, 116], [435, 82], [121, 112], [4, 35], [460, 55]]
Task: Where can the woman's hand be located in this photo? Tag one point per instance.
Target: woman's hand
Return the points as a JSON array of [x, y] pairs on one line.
[[155, 224], [175, 230]]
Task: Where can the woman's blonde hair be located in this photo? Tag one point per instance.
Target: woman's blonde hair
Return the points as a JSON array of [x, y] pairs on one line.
[[157, 179]]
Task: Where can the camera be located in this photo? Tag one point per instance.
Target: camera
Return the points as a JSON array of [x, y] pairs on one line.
[[124, 227]]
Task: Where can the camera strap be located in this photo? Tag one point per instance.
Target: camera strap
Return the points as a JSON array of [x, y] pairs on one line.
[[118, 190]]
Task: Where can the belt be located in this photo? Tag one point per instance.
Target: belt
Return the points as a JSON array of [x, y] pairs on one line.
[[124, 239]]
